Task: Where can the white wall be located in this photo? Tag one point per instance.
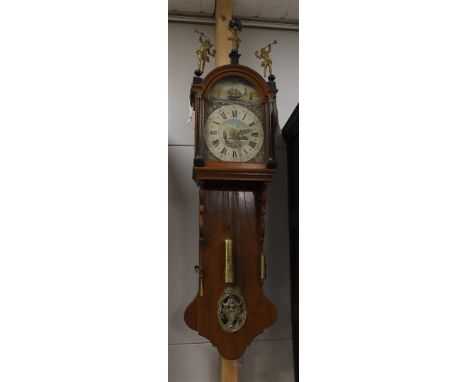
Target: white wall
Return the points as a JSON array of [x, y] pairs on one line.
[[192, 357]]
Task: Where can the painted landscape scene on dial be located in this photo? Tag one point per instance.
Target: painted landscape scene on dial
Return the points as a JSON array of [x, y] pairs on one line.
[[234, 89]]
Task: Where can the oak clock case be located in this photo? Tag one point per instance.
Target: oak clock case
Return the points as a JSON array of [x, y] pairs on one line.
[[235, 116]]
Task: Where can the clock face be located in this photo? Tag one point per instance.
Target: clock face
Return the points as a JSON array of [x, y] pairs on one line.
[[234, 133]]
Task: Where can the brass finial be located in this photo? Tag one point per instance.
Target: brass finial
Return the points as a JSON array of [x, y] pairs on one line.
[[203, 52], [267, 63], [235, 27]]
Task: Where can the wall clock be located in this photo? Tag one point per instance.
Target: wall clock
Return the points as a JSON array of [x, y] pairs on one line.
[[235, 120]]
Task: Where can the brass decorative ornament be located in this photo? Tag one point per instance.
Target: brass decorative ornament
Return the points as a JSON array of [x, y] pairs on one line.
[[228, 262], [267, 62], [203, 52], [232, 310], [235, 27]]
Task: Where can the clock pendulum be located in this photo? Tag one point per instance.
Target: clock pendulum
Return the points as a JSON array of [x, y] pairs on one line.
[[235, 122]]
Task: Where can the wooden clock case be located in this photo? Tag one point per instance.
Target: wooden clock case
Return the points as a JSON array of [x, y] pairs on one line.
[[232, 206]]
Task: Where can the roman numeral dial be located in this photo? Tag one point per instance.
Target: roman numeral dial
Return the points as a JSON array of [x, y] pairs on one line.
[[234, 133]]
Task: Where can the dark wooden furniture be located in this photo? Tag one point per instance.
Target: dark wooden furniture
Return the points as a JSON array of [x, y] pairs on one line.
[[291, 135]]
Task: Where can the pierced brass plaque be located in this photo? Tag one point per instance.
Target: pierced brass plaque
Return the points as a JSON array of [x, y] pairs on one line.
[[232, 310]]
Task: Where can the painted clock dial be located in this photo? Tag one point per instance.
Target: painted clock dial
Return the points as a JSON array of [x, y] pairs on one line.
[[234, 133]]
